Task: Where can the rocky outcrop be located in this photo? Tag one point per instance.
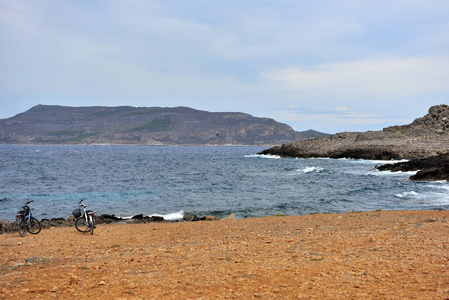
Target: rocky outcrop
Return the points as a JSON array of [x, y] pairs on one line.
[[429, 169], [6, 226], [146, 219], [190, 218], [127, 125], [426, 136]]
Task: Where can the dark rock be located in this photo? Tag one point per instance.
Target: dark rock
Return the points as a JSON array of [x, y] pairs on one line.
[[190, 218], [45, 223], [146, 219], [138, 217], [424, 141], [107, 219], [55, 222], [156, 219], [434, 174], [426, 136], [429, 169], [7, 226], [58, 222]]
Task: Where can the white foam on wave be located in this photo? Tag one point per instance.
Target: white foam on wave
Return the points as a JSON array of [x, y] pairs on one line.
[[168, 217], [389, 173], [411, 194], [264, 156], [435, 193], [360, 161], [373, 161], [440, 185], [310, 169], [438, 192], [390, 161], [172, 216]]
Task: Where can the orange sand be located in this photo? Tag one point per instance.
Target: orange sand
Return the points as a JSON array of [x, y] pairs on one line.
[[373, 255]]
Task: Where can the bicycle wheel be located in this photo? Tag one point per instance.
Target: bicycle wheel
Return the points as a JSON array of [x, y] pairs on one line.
[[35, 226], [21, 226], [82, 225], [91, 224]]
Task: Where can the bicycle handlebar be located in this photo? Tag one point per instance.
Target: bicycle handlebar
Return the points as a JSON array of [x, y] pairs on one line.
[[82, 204]]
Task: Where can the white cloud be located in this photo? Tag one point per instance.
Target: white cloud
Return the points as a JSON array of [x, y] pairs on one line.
[[337, 120], [386, 77], [325, 60], [342, 108], [16, 15]]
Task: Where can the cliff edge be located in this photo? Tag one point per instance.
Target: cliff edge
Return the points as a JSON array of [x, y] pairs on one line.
[[425, 142], [426, 136]]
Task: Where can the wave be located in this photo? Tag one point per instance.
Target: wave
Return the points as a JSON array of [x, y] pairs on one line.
[[168, 217], [389, 173], [172, 216], [441, 184], [310, 170], [374, 161], [425, 198], [363, 161], [264, 156], [411, 194]]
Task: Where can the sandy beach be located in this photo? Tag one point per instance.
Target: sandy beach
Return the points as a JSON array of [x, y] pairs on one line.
[[367, 255]]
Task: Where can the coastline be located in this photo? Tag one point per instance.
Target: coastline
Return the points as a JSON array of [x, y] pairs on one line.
[[143, 145], [380, 254]]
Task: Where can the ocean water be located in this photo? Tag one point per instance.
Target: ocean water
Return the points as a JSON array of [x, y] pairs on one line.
[[217, 181]]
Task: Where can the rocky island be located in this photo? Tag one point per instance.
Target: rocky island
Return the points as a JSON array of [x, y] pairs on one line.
[[425, 142], [126, 125]]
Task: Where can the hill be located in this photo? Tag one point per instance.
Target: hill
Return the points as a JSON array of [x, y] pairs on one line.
[[44, 124], [426, 136]]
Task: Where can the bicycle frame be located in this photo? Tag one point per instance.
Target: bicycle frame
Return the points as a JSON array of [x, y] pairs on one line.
[[88, 216], [20, 216], [26, 217], [26, 221], [86, 213]]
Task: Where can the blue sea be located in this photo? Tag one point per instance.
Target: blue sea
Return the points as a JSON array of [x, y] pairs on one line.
[[217, 181]]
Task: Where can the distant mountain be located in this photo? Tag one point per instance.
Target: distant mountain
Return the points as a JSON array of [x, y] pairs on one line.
[[426, 136], [44, 124]]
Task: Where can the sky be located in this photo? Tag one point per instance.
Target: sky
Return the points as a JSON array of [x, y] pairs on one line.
[[327, 65]]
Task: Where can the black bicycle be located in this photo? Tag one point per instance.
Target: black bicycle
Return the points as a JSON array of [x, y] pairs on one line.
[[26, 222], [85, 218]]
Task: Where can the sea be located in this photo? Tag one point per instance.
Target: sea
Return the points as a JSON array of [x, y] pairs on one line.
[[171, 181]]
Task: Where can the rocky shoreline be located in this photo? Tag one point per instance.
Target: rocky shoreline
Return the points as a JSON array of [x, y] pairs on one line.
[[425, 142], [432, 168], [6, 226]]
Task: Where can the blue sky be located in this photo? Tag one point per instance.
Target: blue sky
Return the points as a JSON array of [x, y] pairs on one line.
[[327, 65]]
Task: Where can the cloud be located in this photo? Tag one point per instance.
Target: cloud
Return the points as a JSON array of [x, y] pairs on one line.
[[338, 119], [383, 77], [16, 14], [298, 58]]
